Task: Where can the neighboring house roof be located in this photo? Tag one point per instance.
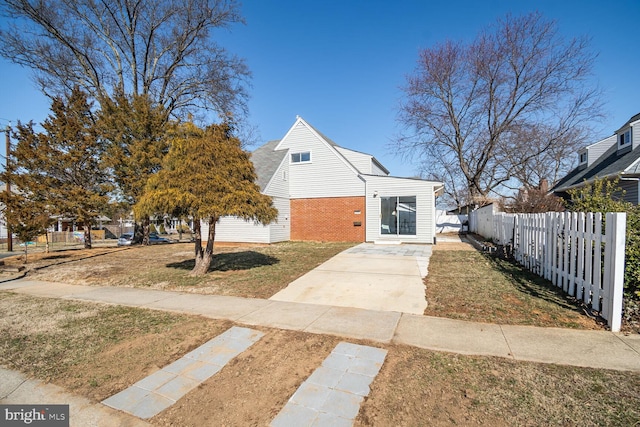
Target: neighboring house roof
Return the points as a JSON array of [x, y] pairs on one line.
[[631, 120], [609, 164], [266, 160]]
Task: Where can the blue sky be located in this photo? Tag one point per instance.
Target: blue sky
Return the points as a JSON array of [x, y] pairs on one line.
[[340, 64]]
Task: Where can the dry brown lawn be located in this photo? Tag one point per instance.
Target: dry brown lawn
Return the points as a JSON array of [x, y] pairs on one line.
[[97, 350]]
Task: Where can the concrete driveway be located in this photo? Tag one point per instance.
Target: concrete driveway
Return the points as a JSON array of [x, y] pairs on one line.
[[369, 276]]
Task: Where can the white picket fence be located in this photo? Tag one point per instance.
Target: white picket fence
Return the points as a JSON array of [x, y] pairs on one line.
[[573, 252]]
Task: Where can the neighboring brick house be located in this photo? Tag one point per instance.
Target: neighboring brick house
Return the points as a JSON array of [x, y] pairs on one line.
[[617, 156], [324, 192]]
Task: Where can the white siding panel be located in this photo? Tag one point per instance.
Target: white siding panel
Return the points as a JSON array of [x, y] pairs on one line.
[[279, 184], [375, 170], [280, 231], [387, 186], [361, 161], [327, 175], [232, 229]]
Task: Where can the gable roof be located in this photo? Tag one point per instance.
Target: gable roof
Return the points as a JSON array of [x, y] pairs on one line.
[[266, 160], [608, 164]]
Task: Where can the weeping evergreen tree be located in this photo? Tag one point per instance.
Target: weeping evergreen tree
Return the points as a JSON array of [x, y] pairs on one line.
[[206, 175]]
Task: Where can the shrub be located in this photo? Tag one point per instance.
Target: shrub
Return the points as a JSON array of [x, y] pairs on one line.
[[161, 229], [152, 228], [606, 196]]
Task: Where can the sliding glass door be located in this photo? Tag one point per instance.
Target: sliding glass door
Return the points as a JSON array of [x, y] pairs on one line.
[[398, 216]]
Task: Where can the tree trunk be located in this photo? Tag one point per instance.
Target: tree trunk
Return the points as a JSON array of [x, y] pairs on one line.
[[203, 256], [87, 235], [145, 230]]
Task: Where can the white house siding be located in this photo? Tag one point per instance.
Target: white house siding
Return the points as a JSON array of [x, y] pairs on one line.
[[327, 175], [635, 134], [386, 186], [361, 161], [232, 229], [280, 231], [375, 170]]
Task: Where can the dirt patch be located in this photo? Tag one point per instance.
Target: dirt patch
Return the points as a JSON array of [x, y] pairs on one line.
[[252, 389], [453, 246]]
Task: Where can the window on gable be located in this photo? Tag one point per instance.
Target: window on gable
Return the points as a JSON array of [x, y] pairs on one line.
[[583, 158], [624, 139], [304, 157]]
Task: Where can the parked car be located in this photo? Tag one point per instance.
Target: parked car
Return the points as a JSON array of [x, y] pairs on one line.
[[125, 239], [154, 239]]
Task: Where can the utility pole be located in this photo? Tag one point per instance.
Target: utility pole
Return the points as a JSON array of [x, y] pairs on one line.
[[9, 230]]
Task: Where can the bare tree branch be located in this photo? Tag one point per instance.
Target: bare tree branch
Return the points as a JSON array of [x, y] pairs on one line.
[[163, 49], [514, 104]]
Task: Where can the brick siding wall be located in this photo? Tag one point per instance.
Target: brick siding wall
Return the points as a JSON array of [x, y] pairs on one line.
[[328, 219]]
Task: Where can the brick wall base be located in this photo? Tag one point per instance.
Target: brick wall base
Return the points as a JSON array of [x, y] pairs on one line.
[[328, 219]]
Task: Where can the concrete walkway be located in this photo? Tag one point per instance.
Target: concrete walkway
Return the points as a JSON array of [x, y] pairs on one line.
[[596, 349], [368, 276], [16, 389], [163, 388], [332, 395]]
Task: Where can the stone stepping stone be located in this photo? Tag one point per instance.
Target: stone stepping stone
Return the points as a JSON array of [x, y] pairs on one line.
[[332, 395], [163, 388]]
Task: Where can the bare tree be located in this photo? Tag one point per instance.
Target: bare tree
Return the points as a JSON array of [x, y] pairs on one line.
[[505, 109], [162, 49]]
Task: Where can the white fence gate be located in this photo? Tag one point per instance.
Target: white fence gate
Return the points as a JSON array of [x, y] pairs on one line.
[[573, 252]]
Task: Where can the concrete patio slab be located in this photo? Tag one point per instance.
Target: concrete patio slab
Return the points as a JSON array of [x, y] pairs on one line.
[[384, 278], [351, 289], [456, 336], [357, 323], [372, 264], [571, 347], [285, 315], [213, 306]]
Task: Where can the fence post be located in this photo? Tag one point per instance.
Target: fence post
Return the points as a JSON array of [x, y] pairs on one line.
[[615, 229]]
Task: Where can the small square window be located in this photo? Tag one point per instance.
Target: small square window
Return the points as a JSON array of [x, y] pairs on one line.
[[303, 157], [624, 138]]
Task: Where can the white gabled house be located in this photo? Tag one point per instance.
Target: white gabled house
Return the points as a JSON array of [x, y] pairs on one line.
[[324, 192]]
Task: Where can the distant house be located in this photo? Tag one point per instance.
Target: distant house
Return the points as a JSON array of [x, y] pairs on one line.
[[617, 156], [324, 192]]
